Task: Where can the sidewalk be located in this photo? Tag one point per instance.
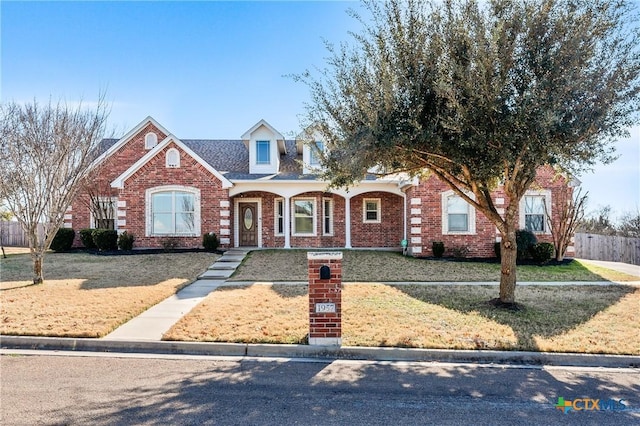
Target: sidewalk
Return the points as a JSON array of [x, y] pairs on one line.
[[154, 322]]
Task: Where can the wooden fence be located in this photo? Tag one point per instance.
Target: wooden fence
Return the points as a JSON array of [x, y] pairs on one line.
[[608, 247], [13, 235]]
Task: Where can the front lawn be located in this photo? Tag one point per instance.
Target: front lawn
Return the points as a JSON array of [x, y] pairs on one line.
[[382, 266], [86, 295], [587, 319]]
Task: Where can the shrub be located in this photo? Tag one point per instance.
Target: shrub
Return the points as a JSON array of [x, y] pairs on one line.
[[86, 236], [63, 239], [169, 244], [125, 241], [542, 252], [438, 248], [105, 239], [497, 249], [525, 240], [210, 241], [460, 252]]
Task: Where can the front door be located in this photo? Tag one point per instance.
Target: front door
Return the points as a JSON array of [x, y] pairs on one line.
[[248, 229]]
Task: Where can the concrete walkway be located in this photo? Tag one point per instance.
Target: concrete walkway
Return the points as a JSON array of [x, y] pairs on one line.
[[157, 320], [616, 266]]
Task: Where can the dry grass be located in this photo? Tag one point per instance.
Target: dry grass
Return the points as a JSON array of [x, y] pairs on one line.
[[590, 319], [86, 295], [380, 266]]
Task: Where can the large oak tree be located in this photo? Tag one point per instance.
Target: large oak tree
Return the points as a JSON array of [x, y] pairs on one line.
[[481, 94]]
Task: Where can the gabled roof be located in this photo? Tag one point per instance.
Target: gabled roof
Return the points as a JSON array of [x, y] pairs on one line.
[[279, 138], [119, 181], [113, 147]]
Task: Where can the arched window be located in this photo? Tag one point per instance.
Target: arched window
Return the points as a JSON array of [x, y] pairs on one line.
[[172, 158], [150, 140], [173, 210]]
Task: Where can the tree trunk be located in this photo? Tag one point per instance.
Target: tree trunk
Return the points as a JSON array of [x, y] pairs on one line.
[[37, 269], [508, 256]]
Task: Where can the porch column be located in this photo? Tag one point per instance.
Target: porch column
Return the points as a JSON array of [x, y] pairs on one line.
[[287, 222], [347, 222]]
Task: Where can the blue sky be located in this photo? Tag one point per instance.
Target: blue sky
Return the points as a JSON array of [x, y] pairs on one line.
[[206, 70]]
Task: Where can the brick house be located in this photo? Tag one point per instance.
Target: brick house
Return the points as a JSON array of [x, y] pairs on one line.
[[260, 191]]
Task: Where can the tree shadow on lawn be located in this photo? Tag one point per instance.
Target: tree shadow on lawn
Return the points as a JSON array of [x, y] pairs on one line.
[[543, 311], [261, 392]]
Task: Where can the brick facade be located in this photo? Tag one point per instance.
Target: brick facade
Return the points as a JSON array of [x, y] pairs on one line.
[[423, 208]]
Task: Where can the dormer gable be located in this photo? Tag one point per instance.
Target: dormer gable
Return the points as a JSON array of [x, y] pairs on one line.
[[265, 145], [312, 145]]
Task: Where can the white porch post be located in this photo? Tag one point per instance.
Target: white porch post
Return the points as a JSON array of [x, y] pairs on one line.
[[347, 222], [287, 222]]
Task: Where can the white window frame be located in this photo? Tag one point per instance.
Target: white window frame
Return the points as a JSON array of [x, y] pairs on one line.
[[546, 195], [327, 215], [471, 214], [378, 210], [278, 202], [114, 201], [172, 164], [295, 232], [150, 140], [314, 156], [172, 188], [268, 143]]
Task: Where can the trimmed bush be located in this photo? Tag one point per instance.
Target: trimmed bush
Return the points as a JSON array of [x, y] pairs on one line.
[[438, 248], [63, 239], [105, 239], [210, 241], [125, 241], [86, 236], [169, 244], [525, 240], [542, 252]]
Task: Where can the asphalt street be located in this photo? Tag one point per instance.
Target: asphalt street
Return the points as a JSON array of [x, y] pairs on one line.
[[46, 388]]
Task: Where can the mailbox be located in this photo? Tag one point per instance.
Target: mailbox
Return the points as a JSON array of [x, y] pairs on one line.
[[325, 272]]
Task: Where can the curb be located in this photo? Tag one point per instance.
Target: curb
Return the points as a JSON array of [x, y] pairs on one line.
[[320, 352]]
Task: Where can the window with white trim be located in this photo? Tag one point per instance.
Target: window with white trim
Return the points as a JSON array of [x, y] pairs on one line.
[[150, 140], [263, 152], [304, 223], [534, 217], [279, 216], [173, 211], [371, 210], [327, 216], [314, 153], [458, 216], [103, 213], [172, 158]]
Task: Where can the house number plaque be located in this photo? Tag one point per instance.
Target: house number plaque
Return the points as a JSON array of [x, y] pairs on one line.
[[325, 308]]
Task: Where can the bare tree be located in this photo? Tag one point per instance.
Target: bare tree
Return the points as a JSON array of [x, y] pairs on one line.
[[630, 225], [570, 213], [45, 151], [99, 198]]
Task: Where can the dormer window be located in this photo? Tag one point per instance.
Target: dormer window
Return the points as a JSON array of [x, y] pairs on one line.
[[314, 154], [172, 158], [263, 152], [150, 140]]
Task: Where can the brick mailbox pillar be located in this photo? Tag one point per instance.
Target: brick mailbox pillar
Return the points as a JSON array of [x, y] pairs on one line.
[[325, 298]]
